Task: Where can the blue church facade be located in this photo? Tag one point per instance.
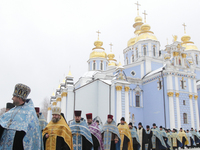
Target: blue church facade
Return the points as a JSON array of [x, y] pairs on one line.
[[153, 85]]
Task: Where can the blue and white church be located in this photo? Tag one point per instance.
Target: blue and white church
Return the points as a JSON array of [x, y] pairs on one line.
[[153, 86]]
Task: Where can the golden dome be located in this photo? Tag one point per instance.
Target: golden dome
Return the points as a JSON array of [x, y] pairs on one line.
[[111, 56], [138, 19], [112, 61], [131, 41], [96, 54], [146, 33], [54, 103], [98, 45], [189, 45], [145, 27], [185, 38]]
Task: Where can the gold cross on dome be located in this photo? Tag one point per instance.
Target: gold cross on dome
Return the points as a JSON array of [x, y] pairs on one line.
[[137, 7], [111, 47], [145, 14], [184, 28], [98, 34]]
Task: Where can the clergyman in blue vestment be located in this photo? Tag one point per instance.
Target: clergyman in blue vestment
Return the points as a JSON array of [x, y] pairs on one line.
[[19, 127]]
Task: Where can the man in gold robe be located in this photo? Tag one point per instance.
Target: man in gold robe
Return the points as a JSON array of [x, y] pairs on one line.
[[183, 137], [125, 135], [57, 134], [176, 141]]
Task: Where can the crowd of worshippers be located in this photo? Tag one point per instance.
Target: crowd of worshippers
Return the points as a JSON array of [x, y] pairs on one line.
[[23, 127]]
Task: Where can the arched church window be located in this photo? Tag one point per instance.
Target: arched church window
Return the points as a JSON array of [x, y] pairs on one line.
[[132, 58], [145, 50], [94, 65], [101, 65], [185, 120], [154, 51], [197, 59], [137, 99]]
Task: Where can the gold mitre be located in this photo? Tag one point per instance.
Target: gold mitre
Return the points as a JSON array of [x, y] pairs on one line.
[[56, 111]]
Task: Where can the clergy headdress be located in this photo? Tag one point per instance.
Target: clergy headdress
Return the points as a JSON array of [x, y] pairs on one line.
[[77, 112], [122, 119], [21, 91], [148, 126], [110, 116], [56, 110], [89, 116], [37, 109], [130, 124], [160, 126], [140, 123], [154, 124], [9, 105]]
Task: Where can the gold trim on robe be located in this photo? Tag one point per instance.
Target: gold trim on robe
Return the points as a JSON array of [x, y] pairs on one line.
[[181, 135], [124, 130], [54, 130]]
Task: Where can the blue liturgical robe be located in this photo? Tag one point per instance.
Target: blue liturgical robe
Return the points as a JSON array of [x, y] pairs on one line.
[[108, 130], [82, 138], [20, 119]]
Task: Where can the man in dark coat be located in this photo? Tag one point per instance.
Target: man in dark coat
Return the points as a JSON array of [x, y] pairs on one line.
[[142, 136], [149, 136]]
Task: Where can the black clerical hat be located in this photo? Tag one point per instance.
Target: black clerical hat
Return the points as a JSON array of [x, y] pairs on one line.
[[122, 119], [9, 105], [139, 123], [130, 124], [147, 126], [154, 124], [160, 126]]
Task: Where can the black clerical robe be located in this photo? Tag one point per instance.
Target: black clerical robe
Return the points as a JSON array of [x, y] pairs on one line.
[[95, 142], [149, 136], [60, 143], [142, 137]]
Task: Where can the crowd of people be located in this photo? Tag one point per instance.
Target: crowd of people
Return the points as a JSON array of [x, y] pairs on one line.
[[23, 127]]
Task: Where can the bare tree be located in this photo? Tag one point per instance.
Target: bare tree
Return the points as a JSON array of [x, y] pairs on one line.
[[45, 106], [2, 111]]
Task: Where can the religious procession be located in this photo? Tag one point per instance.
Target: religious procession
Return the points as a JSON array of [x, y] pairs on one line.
[[23, 127]]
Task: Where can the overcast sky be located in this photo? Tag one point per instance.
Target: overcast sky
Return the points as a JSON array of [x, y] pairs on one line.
[[40, 39]]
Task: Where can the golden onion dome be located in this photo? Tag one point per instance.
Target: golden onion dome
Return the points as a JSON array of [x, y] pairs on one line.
[[185, 38], [96, 54], [111, 56], [98, 45], [138, 19], [54, 103], [145, 27], [112, 61], [131, 41], [98, 50], [146, 33], [189, 45]]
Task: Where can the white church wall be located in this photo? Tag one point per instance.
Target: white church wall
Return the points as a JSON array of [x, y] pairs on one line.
[[86, 99], [103, 101]]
